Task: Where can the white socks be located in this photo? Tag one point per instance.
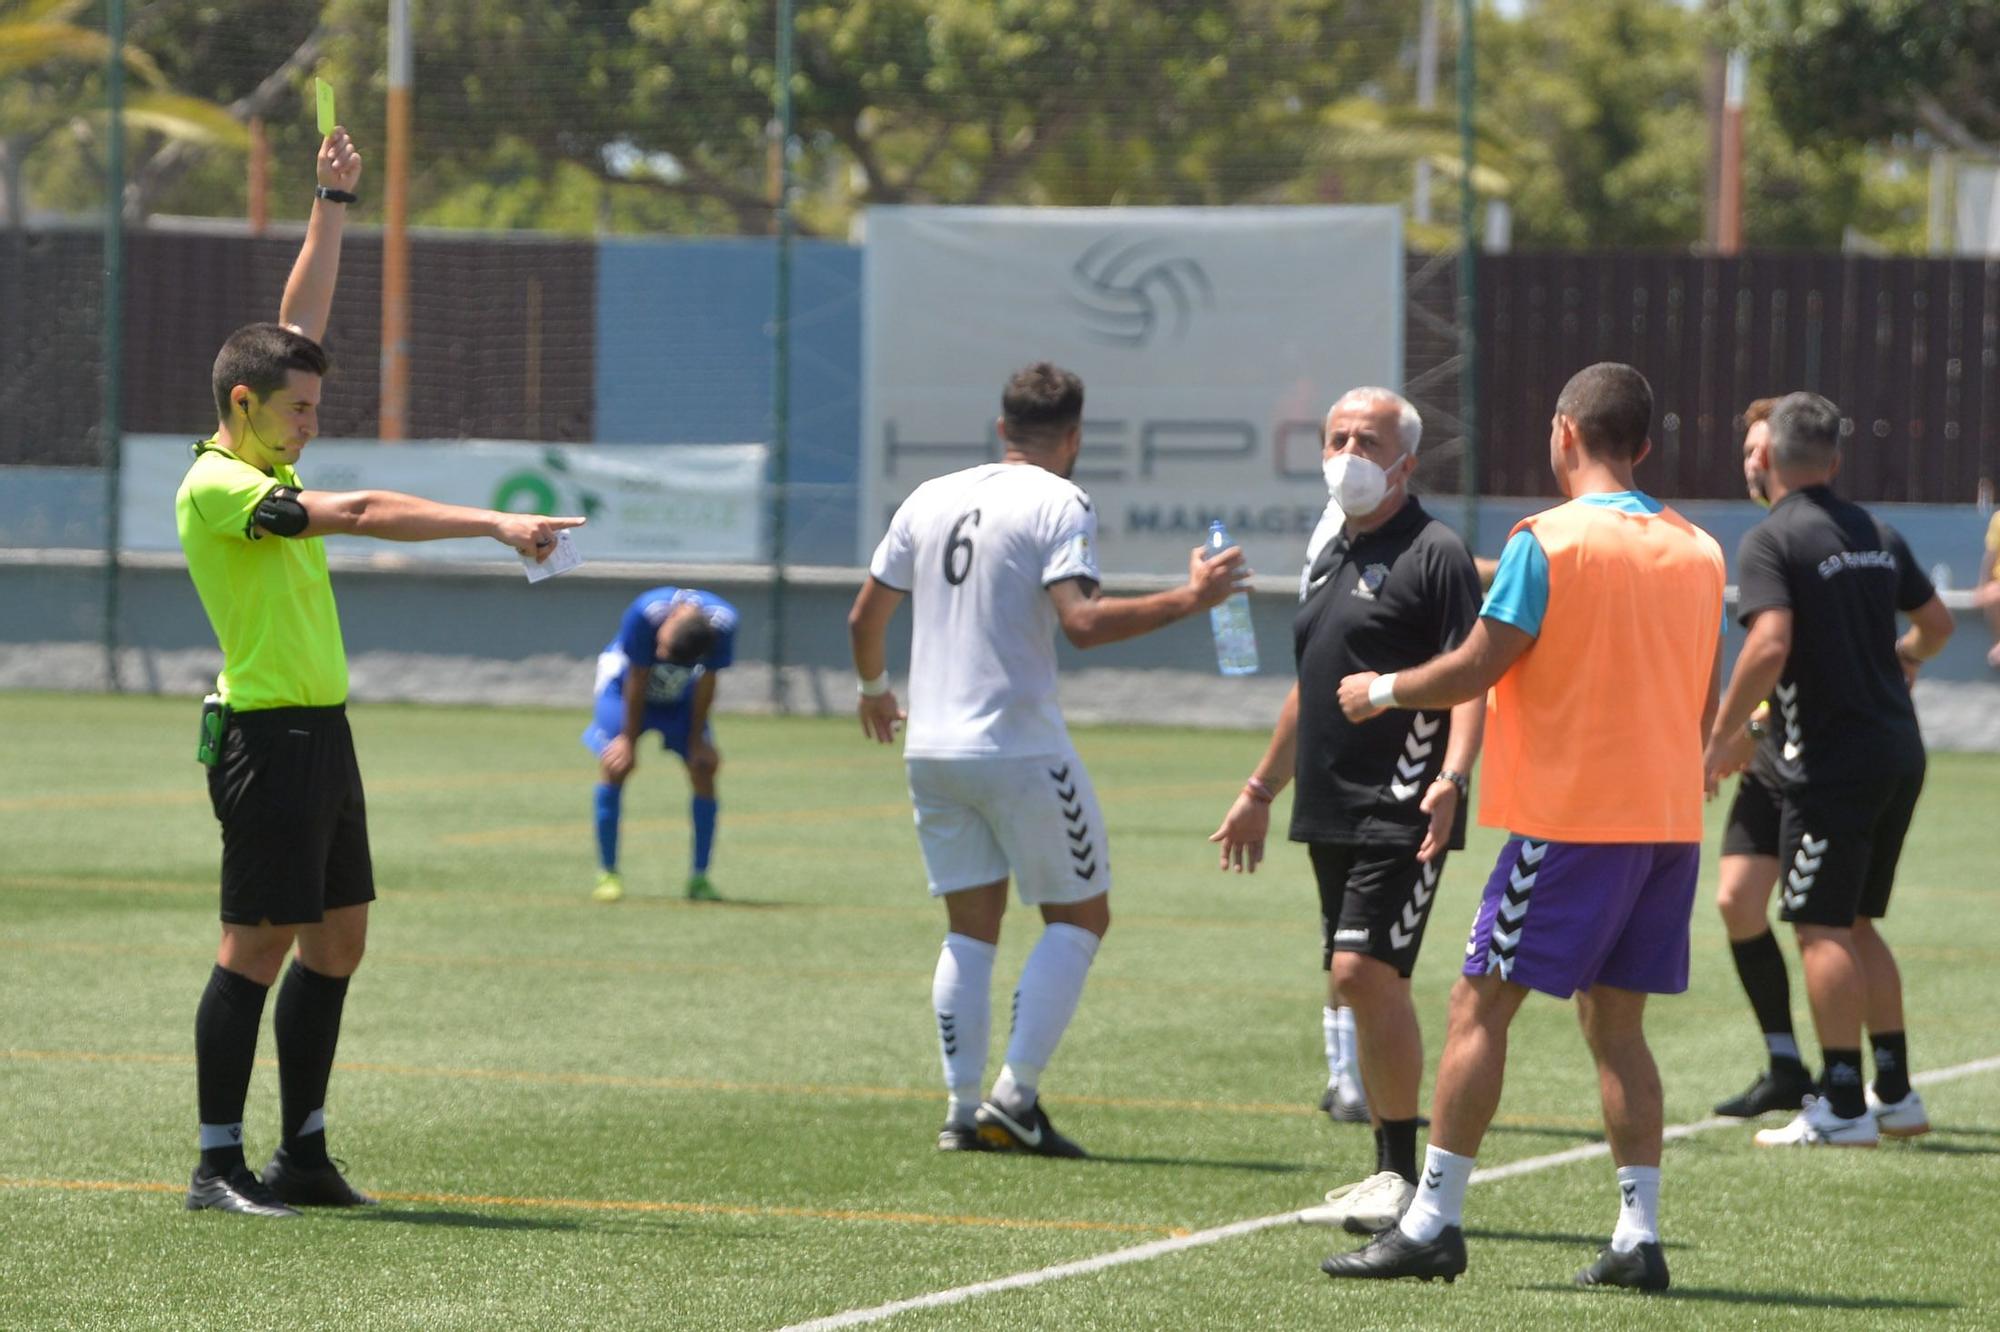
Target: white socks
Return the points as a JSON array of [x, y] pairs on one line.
[[962, 998], [1440, 1199], [1044, 1001], [1638, 1208], [1339, 1029]]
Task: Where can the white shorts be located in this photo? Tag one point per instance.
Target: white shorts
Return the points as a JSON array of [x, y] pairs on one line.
[[980, 819]]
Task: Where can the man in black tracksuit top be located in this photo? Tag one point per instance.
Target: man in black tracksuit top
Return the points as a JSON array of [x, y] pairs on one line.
[[1380, 802], [1821, 584]]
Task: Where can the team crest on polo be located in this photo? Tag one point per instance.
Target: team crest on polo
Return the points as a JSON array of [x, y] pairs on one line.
[[1371, 581]]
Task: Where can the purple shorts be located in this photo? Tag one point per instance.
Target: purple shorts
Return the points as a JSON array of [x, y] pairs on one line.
[[1563, 916]]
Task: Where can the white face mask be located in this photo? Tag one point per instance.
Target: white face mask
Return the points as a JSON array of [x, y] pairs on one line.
[[1357, 485]]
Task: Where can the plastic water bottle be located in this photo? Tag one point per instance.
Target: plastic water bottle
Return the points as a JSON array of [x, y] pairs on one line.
[[1235, 636]]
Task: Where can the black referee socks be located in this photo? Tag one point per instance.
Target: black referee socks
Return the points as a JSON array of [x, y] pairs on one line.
[[225, 1049], [307, 1024]]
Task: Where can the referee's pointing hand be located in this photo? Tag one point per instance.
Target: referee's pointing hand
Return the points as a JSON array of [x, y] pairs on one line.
[[531, 533]]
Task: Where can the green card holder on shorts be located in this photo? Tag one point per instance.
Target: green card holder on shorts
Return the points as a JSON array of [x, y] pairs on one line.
[[214, 723]]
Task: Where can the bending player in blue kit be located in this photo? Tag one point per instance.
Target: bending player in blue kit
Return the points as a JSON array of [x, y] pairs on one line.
[[659, 675]]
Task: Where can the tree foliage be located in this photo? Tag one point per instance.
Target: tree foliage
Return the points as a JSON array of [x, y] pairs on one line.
[[1865, 70], [1603, 102], [656, 115]]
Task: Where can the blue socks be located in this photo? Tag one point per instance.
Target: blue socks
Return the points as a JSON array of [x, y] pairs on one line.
[[703, 810], [609, 800]]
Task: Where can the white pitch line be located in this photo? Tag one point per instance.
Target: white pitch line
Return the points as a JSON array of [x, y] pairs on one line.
[[1140, 1253]]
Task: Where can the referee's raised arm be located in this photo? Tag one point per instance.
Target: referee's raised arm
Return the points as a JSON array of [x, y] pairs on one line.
[[308, 296]]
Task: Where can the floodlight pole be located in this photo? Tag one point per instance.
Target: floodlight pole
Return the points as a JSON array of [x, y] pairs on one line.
[[110, 432], [392, 419], [781, 357], [1468, 277]]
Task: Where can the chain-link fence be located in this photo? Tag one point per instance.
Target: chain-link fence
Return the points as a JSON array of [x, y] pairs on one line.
[[574, 166]]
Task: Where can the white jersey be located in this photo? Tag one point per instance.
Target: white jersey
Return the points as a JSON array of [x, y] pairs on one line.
[[977, 551]]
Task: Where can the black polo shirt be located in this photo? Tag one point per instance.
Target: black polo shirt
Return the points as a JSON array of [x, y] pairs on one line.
[[1841, 712], [1382, 601]]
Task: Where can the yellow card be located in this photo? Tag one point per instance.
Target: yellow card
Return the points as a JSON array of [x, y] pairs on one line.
[[326, 120]]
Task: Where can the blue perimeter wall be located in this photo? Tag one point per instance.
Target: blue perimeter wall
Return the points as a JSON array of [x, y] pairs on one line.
[[684, 356]]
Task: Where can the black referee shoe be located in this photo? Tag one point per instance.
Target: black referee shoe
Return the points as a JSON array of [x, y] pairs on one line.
[[1643, 1268], [1393, 1254], [239, 1192], [311, 1186]]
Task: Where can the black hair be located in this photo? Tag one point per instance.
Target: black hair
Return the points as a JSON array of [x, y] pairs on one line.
[[1612, 405], [1041, 403], [690, 639], [259, 356]]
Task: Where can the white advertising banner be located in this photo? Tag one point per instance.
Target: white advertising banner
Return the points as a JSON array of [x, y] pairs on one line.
[[694, 502], [1976, 224], [1211, 342]]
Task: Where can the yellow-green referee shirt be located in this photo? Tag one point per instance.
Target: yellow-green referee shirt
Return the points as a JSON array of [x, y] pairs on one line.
[[268, 598]]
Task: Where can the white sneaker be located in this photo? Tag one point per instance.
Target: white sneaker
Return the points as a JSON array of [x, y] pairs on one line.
[[1345, 1103], [1367, 1208], [1906, 1118], [1817, 1126]]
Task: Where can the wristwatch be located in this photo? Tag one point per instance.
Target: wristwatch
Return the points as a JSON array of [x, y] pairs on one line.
[[1756, 729], [1457, 779], [331, 195]]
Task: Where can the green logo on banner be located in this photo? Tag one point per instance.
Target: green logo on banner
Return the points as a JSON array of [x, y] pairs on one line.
[[531, 491]]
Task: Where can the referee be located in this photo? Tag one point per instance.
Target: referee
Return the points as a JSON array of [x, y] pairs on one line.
[[282, 776], [1822, 582], [1379, 802]]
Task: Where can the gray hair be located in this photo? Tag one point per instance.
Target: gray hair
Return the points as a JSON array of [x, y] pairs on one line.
[[1805, 431], [1409, 425]]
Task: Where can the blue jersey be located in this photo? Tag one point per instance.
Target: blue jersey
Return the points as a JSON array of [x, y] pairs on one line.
[[637, 646]]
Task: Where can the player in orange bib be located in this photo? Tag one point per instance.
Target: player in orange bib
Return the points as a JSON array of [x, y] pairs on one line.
[[1601, 643]]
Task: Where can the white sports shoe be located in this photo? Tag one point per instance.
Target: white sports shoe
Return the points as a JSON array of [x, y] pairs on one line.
[[1906, 1118], [1344, 1102], [1817, 1126], [1367, 1208]]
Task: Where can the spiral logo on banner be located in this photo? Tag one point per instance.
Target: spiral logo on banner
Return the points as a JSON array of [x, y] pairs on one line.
[[1130, 292]]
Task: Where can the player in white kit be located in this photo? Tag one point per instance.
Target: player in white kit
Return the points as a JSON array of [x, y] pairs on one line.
[[998, 557]]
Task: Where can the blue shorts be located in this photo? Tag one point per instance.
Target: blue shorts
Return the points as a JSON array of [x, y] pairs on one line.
[[670, 723]]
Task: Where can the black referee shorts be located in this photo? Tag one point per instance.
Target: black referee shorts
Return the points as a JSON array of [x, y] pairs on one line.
[[1838, 847], [1374, 900], [287, 791]]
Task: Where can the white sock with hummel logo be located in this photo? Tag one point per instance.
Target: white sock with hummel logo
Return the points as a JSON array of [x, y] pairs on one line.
[[1440, 1199], [962, 999], [1045, 1000], [1638, 1208]]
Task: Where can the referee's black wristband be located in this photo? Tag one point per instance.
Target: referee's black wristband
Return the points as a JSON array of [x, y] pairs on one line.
[[331, 195]]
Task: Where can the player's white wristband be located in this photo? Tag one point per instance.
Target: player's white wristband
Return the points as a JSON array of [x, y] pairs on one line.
[[874, 688], [1382, 691]]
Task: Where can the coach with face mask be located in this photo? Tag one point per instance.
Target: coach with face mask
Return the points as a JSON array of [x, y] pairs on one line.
[[1379, 802]]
